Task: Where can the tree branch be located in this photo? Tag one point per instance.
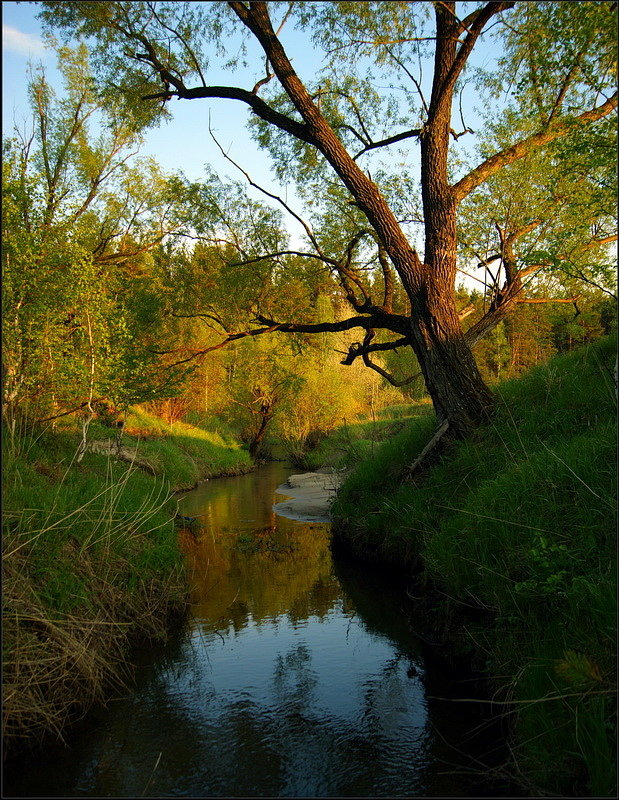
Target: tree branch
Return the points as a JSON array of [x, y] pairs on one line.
[[386, 375], [358, 114], [479, 19], [357, 349], [387, 279], [275, 255], [503, 298], [389, 140], [285, 17], [232, 337], [262, 82], [181, 39], [316, 327], [366, 193], [566, 84], [466, 311], [256, 103], [366, 348], [597, 242], [554, 131], [347, 274], [200, 316], [412, 77], [345, 126], [65, 413], [278, 199]]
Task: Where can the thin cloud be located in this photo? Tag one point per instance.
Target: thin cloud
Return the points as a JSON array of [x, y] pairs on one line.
[[25, 44]]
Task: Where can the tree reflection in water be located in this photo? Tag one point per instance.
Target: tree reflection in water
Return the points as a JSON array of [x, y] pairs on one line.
[[293, 678]]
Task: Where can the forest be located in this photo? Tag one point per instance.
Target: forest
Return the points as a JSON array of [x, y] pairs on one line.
[[426, 307]]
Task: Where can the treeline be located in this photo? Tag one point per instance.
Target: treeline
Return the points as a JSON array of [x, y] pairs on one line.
[[121, 281]]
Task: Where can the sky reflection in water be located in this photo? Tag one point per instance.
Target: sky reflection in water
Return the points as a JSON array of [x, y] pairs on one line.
[[295, 676]]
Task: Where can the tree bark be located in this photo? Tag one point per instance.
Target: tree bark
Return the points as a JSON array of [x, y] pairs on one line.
[[454, 383], [452, 378], [458, 392]]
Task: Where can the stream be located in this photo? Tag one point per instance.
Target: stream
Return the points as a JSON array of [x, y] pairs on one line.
[[296, 675]]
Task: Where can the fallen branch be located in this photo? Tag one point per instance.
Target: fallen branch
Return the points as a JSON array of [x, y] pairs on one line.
[[421, 462]]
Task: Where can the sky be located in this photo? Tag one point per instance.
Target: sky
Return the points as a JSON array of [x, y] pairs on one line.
[[184, 142]]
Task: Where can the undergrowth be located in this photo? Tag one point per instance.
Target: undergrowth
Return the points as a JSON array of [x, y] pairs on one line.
[[519, 522]]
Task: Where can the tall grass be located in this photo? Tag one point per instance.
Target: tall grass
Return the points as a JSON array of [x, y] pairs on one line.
[[90, 564], [91, 559], [519, 521]]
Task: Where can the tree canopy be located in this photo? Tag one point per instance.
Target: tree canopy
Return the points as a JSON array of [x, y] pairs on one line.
[[394, 73]]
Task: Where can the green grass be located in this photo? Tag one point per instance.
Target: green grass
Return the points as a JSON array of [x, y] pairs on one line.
[[186, 453], [183, 453], [356, 442], [213, 423], [91, 559], [520, 521]]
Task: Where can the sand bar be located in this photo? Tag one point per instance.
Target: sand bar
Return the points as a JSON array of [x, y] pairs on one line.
[[308, 496]]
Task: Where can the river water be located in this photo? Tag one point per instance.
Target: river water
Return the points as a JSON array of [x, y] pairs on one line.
[[297, 675]]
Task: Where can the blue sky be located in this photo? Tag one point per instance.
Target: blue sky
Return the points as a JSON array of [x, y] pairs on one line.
[[183, 143]]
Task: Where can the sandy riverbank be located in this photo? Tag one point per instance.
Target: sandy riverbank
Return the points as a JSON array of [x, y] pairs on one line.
[[308, 496]]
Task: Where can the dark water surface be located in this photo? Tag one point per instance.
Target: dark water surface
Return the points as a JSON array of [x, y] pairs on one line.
[[295, 677]]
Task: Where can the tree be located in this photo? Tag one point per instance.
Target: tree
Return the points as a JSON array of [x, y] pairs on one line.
[[533, 224], [562, 59], [292, 384], [266, 381], [79, 224]]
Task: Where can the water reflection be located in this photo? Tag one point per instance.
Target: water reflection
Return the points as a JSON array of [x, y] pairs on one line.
[[283, 684]]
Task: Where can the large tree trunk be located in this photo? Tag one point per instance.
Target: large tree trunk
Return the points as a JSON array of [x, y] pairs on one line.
[[456, 387], [458, 392], [452, 378]]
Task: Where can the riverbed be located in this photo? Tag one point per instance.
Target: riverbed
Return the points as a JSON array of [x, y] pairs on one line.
[[296, 675]]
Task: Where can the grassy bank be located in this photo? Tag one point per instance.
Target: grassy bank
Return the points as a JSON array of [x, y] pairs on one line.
[[519, 523], [184, 454], [90, 561], [352, 443]]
